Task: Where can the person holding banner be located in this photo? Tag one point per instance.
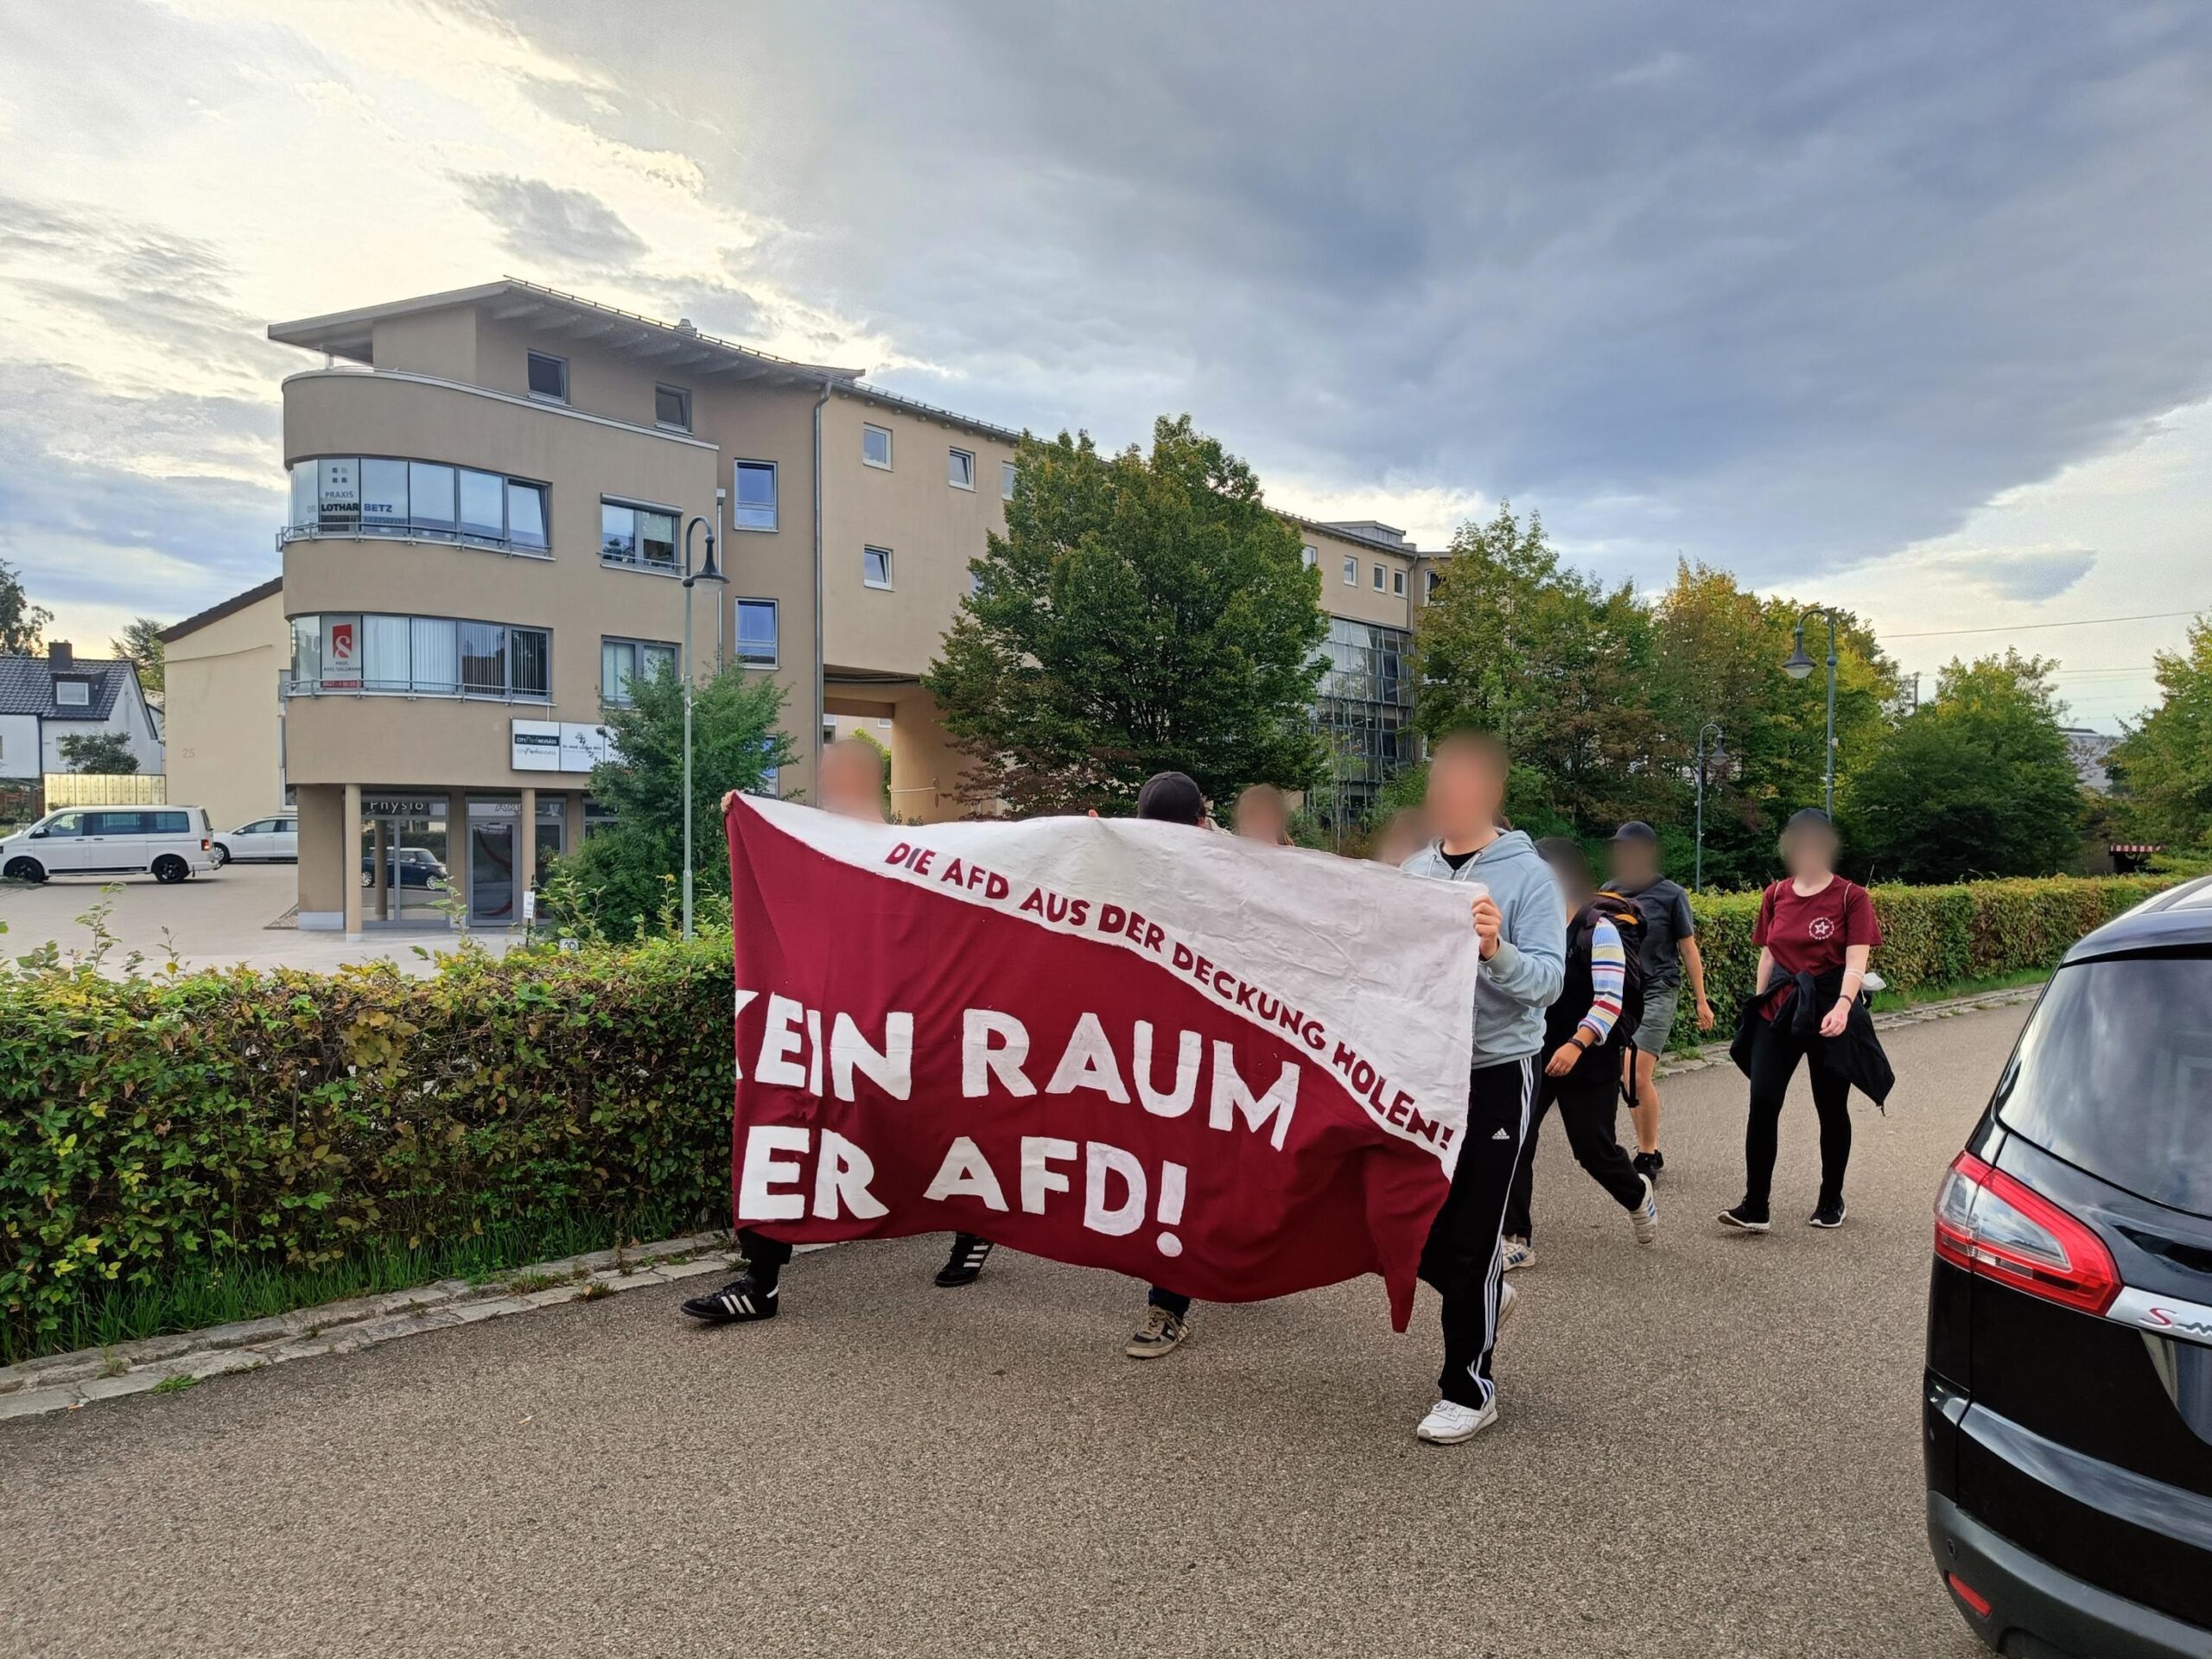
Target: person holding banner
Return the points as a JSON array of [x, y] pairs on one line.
[[1169, 797], [850, 784], [1263, 815], [1521, 925]]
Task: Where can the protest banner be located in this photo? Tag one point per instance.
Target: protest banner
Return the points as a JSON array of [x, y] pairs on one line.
[[1235, 1070]]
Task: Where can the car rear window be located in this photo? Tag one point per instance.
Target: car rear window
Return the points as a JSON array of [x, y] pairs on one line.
[[171, 823], [2114, 1075]]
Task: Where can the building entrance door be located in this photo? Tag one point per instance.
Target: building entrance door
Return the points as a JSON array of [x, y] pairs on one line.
[[493, 844]]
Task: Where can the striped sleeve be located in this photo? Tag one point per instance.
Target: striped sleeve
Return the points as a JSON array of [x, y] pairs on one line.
[[1608, 976]]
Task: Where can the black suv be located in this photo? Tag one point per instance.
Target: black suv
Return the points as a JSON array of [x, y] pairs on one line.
[[2069, 1410]]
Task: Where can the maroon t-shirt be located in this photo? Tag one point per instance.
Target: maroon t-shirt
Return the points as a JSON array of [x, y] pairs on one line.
[[1809, 935]]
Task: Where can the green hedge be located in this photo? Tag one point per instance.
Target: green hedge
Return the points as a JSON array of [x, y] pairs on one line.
[[1930, 935], [283, 1119]]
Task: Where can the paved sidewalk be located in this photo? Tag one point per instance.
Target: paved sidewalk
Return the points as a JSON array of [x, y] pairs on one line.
[[1707, 1448]]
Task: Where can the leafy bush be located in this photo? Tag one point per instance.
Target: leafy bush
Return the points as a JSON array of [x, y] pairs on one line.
[[1930, 935], [150, 1125]]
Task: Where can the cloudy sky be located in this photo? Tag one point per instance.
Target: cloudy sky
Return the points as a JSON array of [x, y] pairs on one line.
[[1896, 305]]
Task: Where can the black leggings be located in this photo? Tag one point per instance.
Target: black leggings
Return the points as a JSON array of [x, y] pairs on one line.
[[1776, 1050]]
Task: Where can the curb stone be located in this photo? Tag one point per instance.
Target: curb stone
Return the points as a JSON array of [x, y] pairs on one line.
[[70, 1381]]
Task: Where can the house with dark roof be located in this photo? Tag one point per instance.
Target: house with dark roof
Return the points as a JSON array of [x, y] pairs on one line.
[[44, 699]]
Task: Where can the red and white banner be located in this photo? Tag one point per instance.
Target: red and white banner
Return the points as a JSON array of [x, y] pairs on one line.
[[1233, 1070]]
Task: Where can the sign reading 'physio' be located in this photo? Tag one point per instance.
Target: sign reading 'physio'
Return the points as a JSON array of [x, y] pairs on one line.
[[1238, 1070]]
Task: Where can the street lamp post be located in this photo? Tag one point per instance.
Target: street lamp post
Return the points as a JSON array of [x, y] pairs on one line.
[[1798, 666], [707, 572], [1704, 755]]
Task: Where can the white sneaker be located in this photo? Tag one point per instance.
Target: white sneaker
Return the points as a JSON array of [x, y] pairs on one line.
[[1449, 1422], [1645, 1217], [1508, 1300], [1519, 1253]]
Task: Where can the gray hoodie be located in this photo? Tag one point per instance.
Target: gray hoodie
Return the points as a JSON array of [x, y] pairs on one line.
[[1525, 976]]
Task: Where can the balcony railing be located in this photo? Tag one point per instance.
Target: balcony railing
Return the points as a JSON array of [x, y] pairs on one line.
[[341, 532], [288, 688]]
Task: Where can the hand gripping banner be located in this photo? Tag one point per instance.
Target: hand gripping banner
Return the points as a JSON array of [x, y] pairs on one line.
[[1234, 1070]]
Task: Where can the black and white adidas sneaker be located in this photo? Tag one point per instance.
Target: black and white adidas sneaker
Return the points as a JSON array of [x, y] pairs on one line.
[[736, 1303], [965, 1265]]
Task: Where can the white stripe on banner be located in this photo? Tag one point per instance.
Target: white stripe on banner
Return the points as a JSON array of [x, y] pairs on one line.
[[1381, 965]]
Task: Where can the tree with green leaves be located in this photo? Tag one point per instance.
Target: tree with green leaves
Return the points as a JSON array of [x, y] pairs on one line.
[[107, 753], [1979, 782], [1557, 665], [140, 644], [2164, 765], [1719, 654], [23, 624], [1142, 613], [621, 875]]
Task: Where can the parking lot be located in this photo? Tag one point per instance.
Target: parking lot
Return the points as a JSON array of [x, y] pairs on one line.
[[216, 919]]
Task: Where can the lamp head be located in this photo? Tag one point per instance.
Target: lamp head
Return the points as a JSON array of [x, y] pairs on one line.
[[1798, 665], [710, 571]]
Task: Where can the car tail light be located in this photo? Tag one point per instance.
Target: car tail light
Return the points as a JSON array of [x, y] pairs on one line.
[[1993, 1226], [205, 843]]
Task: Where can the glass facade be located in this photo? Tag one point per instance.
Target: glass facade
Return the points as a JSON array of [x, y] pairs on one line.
[[419, 656], [1363, 710], [371, 495]]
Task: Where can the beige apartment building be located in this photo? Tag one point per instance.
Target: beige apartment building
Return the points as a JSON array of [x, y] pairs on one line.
[[493, 495]]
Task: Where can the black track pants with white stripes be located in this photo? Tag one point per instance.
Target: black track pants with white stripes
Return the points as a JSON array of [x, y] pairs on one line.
[[1462, 1259]]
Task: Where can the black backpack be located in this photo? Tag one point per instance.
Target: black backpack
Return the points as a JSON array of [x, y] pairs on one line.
[[1581, 934]]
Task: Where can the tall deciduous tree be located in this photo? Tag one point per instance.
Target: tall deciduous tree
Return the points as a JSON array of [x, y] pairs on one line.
[[140, 644], [1142, 613], [108, 752], [2164, 765], [1978, 783], [623, 872], [23, 624]]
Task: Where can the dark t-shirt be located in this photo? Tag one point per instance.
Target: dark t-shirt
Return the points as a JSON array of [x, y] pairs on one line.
[[1809, 935], [1458, 861], [1667, 922]]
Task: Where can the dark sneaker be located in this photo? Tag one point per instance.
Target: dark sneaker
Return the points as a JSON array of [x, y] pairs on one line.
[[738, 1302], [1647, 1165], [1828, 1215], [1161, 1333], [1658, 1160], [1744, 1219], [965, 1265]]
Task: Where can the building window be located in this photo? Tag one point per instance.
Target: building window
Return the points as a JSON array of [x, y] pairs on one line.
[[548, 377], [1363, 711], [419, 656], [1397, 584], [753, 506], [420, 500], [621, 661], [960, 469], [72, 694], [1378, 578], [875, 567], [875, 446], [632, 535], [756, 632], [672, 407], [1352, 573], [1309, 557], [1007, 471], [1429, 597]]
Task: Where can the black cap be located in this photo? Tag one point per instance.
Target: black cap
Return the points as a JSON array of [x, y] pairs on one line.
[[1171, 797], [1808, 818], [1637, 829]]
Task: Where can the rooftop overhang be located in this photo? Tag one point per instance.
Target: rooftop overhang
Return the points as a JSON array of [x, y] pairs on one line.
[[558, 317]]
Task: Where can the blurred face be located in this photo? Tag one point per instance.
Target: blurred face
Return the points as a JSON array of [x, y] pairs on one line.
[[1572, 888], [1465, 789], [1636, 862], [852, 785], [1259, 817], [1809, 851]]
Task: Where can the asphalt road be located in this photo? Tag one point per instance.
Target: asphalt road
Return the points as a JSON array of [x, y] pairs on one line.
[[1708, 1448]]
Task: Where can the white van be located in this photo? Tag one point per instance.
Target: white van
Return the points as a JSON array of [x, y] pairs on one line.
[[170, 842]]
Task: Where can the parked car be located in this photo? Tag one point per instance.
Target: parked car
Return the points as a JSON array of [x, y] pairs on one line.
[[404, 866], [263, 840], [169, 842], [2069, 1401]]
